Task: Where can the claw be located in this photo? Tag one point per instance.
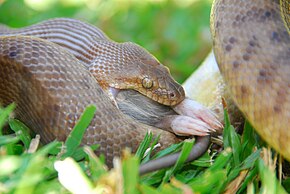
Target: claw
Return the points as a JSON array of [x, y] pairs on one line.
[[193, 109], [185, 126]]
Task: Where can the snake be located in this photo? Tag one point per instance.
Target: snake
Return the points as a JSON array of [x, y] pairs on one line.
[[251, 44], [91, 46], [52, 79], [47, 82]]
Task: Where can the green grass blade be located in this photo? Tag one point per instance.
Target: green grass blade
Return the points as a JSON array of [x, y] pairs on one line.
[[251, 160], [248, 140], [4, 114], [203, 161], [171, 149], [130, 166], [222, 160], [270, 184], [235, 145], [209, 182], [96, 166], [286, 184], [21, 130], [249, 178], [231, 139], [144, 145], [168, 188], [186, 148], [145, 189], [147, 157], [75, 137], [45, 150], [32, 175], [8, 139], [80, 154]]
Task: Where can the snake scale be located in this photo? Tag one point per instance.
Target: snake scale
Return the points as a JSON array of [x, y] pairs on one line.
[[49, 85]]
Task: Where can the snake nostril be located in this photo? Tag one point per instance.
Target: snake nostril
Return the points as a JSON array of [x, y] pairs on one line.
[[172, 95]]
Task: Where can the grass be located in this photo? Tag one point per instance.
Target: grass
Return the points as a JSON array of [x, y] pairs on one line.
[[244, 166]]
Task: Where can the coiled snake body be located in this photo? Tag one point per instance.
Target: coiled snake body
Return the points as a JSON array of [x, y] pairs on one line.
[[52, 88], [252, 47], [49, 85]]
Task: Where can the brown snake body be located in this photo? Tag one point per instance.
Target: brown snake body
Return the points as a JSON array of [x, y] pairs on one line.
[[111, 129], [114, 65], [251, 44], [50, 91]]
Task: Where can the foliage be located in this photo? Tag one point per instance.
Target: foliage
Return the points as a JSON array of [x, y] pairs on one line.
[[50, 169]]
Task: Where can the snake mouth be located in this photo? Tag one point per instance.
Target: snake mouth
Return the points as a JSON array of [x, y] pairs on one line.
[[161, 95]]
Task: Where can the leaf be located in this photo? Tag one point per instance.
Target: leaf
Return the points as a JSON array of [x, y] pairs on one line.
[[186, 148], [270, 184], [222, 160], [147, 157], [75, 137], [30, 175], [248, 139], [130, 166], [144, 145], [209, 182], [4, 114], [45, 150], [171, 149], [97, 167], [80, 154], [8, 139], [21, 130], [145, 189], [231, 139]]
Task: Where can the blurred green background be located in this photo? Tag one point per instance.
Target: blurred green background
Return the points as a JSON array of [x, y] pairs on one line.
[[176, 32]]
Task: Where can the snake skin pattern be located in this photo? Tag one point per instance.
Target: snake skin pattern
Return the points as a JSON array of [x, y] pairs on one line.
[[252, 47], [107, 59], [52, 89]]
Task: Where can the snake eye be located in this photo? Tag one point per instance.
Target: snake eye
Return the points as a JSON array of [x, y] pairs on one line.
[[147, 83]]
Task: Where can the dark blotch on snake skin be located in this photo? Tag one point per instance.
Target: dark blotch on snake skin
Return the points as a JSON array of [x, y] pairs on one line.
[[228, 48], [246, 57], [236, 64]]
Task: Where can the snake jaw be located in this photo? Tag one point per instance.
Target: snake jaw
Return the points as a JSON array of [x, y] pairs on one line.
[[169, 94]]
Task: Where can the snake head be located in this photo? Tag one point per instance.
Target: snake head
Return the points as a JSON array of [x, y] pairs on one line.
[[129, 66], [152, 79], [154, 82], [157, 84]]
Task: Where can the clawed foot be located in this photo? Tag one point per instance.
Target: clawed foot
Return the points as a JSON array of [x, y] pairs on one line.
[[194, 119], [185, 126]]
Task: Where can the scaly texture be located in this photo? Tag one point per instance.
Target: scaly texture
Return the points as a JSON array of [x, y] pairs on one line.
[[115, 65], [51, 89], [252, 48]]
